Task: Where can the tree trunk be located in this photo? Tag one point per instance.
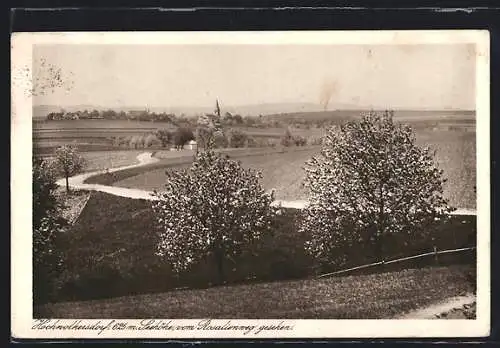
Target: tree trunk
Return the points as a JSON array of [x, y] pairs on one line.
[[67, 184], [380, 226], [219, 259]]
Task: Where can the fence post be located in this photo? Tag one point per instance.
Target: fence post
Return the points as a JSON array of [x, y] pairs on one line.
[[436, 259]]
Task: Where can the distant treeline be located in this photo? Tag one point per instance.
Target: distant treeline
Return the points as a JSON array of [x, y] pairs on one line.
[[301, 120], [227, 119], [111, 115], [141, 115]]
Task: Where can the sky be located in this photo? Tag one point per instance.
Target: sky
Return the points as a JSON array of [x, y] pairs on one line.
[[378, 76]]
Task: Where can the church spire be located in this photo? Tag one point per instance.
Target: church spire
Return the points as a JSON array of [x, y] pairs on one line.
[[217, 107]]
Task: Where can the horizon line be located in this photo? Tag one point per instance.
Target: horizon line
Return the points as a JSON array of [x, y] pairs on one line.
[[140, 107]]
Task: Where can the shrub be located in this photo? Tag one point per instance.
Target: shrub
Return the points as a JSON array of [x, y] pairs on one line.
[[122, 141], [140, 141], [238, 138], [117, 141], [220, 140], [165, 136], [299, 140], [315, 141], [133, 142], [182, 136], [150, 140], [137, 142], [287, 138], [271, 142], [252, 142]]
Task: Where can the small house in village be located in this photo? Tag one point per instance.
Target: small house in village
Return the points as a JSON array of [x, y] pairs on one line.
[[191, 145]]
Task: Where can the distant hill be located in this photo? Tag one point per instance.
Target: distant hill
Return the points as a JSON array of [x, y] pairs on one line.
[[268, 109], [273, 108], [407, 115]]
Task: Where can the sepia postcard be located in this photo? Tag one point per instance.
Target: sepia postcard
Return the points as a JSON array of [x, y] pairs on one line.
[[250, 185]]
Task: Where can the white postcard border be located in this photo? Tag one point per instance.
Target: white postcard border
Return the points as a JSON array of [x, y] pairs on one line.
[[23, 325]]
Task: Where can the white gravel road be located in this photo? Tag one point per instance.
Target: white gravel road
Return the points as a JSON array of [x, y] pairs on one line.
[[430, 312], [77, 182]]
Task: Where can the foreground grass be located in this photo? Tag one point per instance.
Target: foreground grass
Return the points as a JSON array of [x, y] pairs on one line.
[[382, 295], [110, 252]]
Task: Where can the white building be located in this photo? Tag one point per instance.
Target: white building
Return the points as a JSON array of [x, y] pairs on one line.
[[191, 145]]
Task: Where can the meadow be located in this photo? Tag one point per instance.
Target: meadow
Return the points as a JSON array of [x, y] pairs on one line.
[[451, 134], [455, 154], [280, 170]]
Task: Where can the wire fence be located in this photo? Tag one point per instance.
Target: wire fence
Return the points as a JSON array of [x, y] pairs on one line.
[[434, 253]]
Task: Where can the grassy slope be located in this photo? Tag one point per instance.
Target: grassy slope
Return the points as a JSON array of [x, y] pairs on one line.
[[373, 296], [110, 252]]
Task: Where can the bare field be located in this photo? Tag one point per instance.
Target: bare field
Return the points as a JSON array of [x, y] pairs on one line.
[[99, 160], [97, 134]]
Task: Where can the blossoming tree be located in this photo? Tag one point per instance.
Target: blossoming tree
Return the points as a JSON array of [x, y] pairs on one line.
[[68, 162], [215, 209], [370, 182]]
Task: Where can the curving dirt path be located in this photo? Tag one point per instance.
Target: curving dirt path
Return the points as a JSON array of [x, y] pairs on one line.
[[435, 310], [145, 158], [77, 181], [300, 204]]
